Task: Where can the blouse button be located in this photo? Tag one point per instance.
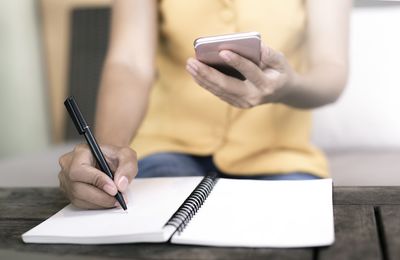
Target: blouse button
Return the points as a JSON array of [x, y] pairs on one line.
[[227, 15]]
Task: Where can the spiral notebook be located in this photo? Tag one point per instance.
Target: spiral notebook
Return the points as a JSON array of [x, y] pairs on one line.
[[203, 211]]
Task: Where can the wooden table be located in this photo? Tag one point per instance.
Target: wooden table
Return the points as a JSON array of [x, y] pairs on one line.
[[367, 226]]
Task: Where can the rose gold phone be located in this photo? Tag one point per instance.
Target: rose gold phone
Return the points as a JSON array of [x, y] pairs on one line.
[[247, 45]]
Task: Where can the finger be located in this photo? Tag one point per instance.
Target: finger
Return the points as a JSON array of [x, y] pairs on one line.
[[232, 100], [62, 181], [82, 169], [90, 175], [110, 152], [65, 161], [270, 58], [248, 68], [90, 194], [125, 161], [216, 81], [203, 83], [127, 168], [83, 155]]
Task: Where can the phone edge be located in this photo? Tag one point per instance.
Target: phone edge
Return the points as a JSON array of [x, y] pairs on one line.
[[220, 38]]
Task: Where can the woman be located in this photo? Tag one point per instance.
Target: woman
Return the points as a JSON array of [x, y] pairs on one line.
[[185, 118]]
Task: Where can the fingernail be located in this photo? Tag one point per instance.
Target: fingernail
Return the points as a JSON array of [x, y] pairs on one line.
[[122, 183], [110, 189], [226, 55], [117, 205]]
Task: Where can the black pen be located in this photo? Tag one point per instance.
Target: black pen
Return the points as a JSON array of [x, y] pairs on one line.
[[84, 129]]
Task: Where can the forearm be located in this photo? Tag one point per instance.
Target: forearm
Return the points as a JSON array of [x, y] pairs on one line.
[[122, 103], [327, 38], [321, 85]]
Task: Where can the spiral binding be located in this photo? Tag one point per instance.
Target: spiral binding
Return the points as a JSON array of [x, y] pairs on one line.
[[192, 204]]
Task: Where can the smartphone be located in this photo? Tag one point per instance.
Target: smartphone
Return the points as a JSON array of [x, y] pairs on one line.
[[247, 45]]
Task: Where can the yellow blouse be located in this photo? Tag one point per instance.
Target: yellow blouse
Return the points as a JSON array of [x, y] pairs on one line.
[[183, 117]]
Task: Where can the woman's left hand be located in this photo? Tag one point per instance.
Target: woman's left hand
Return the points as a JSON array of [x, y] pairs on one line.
[[268, 82]]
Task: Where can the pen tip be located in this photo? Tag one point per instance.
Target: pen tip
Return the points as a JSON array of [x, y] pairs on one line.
[[124, 207], [121, 201]]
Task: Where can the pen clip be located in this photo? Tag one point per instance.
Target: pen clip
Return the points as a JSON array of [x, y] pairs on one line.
[[75, 115]]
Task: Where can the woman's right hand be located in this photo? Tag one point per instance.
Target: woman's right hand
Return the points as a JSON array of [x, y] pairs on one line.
[[88, 187]]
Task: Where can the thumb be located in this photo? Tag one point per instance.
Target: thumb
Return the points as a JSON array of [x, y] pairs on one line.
[[270, 58], [126, 169]]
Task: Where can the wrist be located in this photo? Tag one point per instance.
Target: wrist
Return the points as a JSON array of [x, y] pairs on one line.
[[289, 88]]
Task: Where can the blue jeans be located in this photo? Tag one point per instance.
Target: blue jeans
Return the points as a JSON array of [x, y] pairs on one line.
[[178, 164]]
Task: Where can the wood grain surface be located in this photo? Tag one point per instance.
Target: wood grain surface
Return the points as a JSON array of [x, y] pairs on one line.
[[367, 226]]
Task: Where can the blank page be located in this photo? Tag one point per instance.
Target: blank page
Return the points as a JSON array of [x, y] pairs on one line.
[[259, 213], [151, 203]]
